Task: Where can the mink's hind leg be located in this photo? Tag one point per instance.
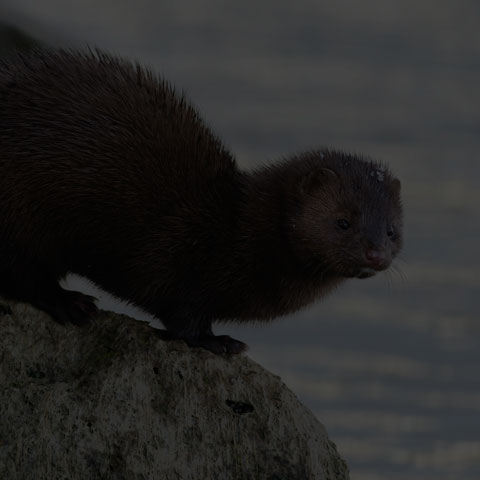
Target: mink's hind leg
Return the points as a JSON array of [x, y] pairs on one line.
[[69, 306], [31, 285], [5, 310], [198, 333]]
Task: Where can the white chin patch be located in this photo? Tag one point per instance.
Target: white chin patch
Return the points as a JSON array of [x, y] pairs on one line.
[[366, 272]]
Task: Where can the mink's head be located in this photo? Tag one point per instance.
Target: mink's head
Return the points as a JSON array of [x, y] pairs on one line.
[[348, 220]]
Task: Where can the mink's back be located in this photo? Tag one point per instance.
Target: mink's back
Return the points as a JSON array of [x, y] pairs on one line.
[[90, 137]]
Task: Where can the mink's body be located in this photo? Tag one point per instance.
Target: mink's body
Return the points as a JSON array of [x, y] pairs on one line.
[[106, 172]]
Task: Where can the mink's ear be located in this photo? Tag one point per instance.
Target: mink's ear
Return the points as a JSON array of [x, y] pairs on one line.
[[314, 179], [396, 186]]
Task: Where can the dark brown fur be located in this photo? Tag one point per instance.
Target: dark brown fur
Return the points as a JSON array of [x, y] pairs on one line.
[[106, 172]]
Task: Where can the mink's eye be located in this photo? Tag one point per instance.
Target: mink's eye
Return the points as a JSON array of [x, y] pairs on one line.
[[343, 224], [390, 231]]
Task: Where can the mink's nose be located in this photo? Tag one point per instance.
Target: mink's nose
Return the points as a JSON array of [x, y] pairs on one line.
[[377, 259]]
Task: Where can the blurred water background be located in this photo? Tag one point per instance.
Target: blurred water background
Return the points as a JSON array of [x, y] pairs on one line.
[[390, 365]]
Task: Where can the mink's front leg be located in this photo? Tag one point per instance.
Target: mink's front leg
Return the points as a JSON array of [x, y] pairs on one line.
[[198, 333]]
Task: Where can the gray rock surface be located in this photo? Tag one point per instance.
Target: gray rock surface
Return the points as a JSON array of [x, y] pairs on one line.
[[114, 401]]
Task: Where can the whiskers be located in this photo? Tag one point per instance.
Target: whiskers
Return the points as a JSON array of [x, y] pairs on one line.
[[394, 273]]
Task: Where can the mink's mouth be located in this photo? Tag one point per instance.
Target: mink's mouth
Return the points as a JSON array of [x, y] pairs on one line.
[[360, 272], [366, 272]]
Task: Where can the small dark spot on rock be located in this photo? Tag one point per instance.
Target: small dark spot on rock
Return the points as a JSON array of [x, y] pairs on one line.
[[240, 407], [35, 372], [179, 373], [155, 370]]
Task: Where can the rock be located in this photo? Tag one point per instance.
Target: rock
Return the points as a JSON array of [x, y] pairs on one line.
[[114, 401]]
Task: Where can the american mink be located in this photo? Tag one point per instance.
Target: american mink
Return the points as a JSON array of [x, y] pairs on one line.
[[107, 172]]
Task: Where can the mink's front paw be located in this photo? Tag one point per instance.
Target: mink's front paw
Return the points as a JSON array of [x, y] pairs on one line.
[[230, 345], [217, 343]]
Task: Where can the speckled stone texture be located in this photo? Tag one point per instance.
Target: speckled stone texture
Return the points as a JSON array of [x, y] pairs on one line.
[[114, 401]]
